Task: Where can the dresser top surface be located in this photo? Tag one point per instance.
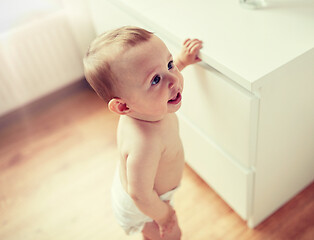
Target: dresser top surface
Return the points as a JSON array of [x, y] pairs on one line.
[[243, 44]]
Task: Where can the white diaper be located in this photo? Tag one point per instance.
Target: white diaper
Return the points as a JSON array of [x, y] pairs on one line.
[[130, 218]]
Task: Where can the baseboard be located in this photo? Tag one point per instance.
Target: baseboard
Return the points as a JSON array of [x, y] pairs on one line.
[[43, 102]]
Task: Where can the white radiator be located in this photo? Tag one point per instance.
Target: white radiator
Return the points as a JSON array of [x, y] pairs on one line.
[[36, 59]]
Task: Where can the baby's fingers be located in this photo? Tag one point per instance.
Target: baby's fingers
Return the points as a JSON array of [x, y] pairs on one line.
[[195, 51], [190, 43], [186, 41], [164, 230], [195, 48], [161, 232]]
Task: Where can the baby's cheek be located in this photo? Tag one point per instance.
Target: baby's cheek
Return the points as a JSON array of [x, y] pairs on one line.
[[181, 79]]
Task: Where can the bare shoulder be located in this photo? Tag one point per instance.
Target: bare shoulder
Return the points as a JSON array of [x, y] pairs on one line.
[[134, 135]]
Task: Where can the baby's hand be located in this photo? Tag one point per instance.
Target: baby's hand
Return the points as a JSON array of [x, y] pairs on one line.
[[171, 229], [189, 53]]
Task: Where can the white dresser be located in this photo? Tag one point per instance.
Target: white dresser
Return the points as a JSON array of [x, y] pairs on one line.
[[247, 118]]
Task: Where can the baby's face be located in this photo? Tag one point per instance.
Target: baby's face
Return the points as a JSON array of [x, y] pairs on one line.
[[151, 84]]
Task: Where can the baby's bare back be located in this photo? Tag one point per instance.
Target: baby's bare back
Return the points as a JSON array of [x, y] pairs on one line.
[[163, 137]]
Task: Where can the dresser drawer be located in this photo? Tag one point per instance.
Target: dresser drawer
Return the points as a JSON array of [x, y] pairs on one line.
[[226, 113], [230, 180]]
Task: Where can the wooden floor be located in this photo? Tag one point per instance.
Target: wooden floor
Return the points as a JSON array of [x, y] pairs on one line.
[[57, 159]]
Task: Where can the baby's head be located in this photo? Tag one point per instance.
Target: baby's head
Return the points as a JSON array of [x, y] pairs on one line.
[[133, 71], [103, 52]]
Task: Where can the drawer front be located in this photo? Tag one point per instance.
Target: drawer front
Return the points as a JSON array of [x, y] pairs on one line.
[[222, 110], [230, 181]]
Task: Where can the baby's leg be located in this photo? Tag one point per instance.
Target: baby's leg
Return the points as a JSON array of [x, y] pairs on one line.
[[151, 231]]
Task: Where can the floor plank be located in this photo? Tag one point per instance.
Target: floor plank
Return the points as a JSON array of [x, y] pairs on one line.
[[57, 160]]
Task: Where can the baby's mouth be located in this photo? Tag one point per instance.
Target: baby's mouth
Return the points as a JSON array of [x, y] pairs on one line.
[[176, 99]]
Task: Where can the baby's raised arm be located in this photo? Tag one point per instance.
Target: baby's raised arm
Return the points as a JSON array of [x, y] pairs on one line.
[[189, 53]]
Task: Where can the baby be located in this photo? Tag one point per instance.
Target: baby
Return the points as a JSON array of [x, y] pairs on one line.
[[133, 71]]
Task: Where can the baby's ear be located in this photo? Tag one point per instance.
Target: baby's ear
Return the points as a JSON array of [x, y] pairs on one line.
[[118, 106]]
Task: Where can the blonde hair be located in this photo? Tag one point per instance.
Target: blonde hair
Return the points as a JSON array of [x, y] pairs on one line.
[[97, 59]]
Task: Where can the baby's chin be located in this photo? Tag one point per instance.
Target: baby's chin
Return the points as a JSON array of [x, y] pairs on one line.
[[158, 114], [175, 108]]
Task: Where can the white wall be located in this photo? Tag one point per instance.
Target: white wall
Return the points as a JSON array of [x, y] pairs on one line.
[[80, 21], [42, 43]]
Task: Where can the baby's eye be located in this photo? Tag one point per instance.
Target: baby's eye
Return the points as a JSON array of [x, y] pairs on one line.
[[170, 65], [156, 80]]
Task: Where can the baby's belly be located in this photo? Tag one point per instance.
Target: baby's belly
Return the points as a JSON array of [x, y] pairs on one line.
[[168, 177]]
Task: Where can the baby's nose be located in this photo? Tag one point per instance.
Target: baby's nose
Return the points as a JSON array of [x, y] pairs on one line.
[[173, 81]]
